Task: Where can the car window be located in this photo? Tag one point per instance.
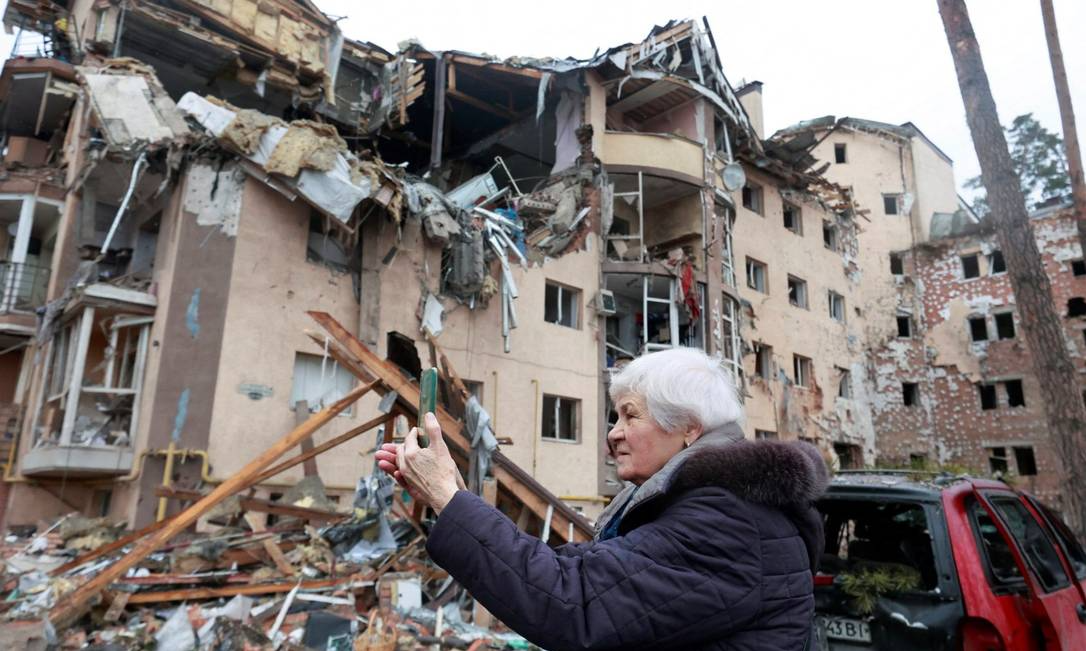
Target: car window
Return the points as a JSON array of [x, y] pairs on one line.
[[1074, 552], [1002, 571], [1033, 541], [875, 533]]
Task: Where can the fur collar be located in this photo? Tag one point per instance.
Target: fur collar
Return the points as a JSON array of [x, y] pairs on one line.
[[774, 473], [780, 474]]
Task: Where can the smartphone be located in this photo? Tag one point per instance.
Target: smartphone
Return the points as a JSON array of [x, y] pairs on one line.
[[427, 401]]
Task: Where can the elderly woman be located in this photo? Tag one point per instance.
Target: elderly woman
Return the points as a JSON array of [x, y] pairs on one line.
[[711, 545]]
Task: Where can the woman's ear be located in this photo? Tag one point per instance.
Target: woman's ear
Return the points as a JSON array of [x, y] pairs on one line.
[[692, 433]]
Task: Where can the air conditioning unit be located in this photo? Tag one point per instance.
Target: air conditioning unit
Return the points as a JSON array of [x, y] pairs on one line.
[[605, 303]]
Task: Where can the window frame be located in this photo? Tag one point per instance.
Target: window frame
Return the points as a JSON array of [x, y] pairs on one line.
[[840, 153], [896, 198], [802, 369], [575, 302], [801, 292], [576, 418], [752, 263], [757, 198], [975, 257], [797, 217]]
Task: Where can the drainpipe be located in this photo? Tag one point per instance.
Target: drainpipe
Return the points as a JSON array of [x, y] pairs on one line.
[[167, 472], [535, 435]]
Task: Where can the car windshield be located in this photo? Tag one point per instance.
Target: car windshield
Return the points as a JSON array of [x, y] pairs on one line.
[[879, 536]]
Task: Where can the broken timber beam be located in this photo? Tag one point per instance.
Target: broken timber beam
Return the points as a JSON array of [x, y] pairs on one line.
[[73, 607], [512, 478], [323, 447], [190, 594], [256, 504]]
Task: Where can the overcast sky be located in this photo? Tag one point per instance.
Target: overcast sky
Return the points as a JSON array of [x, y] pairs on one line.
[[874, 59]]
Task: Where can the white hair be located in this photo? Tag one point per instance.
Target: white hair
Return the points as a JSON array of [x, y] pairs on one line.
[[681, 387]]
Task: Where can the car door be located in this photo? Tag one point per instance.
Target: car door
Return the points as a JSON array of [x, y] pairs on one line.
[[1073, 553], [1056, 602]]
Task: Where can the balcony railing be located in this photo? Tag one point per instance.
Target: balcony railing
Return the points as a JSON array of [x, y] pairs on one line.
[[23, 286]]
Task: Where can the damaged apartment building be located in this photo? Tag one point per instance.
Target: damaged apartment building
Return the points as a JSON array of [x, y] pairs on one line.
[[184, 179]]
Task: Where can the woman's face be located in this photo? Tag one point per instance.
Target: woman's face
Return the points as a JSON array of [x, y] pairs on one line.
[[638, 444]]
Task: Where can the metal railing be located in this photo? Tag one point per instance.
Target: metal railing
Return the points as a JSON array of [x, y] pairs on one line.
[[23, 286]]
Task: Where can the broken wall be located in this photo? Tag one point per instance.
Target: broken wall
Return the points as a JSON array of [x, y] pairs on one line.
[[962, 432], [775, 404]]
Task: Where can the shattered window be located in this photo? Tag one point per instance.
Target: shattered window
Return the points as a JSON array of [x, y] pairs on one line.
[[978, 328], [970, 266], [756, 276], [1004, 323], [897, 265], [752, 198], [988, 398], [323, 247], [764, 435], [997, 460], [1003, 573], [1078, 267], [1071, 548], [1024, 460], [996, 264], [793, 218], [890, 203], [904, 327], [829, 235], [910, 394], [840, 153], [1016, 396], [763, 360], [560, 418], [1032, 540], [802, 373], [876, 533], [797, 291], [837, 306], [849, 456], [561, 305], [1076, 306], [319, 381], [844, 384]]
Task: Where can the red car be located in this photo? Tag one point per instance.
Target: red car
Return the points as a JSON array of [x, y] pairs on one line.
[[932, 562]]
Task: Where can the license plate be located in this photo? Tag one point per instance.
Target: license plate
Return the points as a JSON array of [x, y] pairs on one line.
[[839, 628]]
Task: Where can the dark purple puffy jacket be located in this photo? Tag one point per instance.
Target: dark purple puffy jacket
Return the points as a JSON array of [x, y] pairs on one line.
[[715, 551]]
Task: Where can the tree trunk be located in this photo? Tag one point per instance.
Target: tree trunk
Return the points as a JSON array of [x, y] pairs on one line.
[[1067, 119], [1041, 324]]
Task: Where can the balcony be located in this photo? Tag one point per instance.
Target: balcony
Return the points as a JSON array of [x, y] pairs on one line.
[[86, 411], [658, 154], [23, 287]]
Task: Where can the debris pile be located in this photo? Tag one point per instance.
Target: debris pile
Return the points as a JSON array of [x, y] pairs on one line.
[[296, 572], [255, 579]]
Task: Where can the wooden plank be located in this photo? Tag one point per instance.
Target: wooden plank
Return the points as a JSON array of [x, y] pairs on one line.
[[256, 504], [190, 594], [73, 607], [309, 464], [493, 109], [500, 67], [510, 477], [278, 557], [323, 447]]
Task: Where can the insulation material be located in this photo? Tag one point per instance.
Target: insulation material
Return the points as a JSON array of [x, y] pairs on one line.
[[214, 196], [335, 191], [567, 116], [132, 112], [246, 129], [306, 144]]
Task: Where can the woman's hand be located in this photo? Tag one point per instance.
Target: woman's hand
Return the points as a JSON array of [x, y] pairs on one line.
[[429, 474]]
